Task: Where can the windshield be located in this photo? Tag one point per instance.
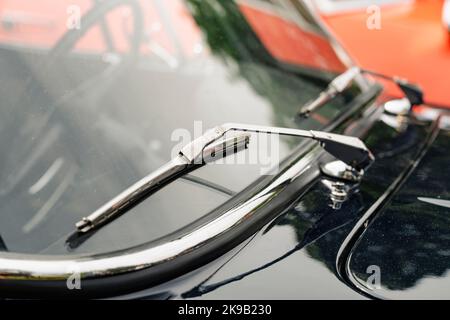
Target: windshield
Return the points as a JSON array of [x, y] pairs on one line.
[[97, 94]]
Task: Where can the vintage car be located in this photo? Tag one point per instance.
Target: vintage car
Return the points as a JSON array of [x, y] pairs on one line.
[[211, 149]]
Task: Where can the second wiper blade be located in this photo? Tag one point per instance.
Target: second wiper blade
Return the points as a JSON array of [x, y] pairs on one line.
[[338, 85], [412, 91]]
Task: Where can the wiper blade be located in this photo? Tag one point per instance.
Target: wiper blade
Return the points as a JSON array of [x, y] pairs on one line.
[[210, 147], [412, 91], [336, 86], [183, 163]]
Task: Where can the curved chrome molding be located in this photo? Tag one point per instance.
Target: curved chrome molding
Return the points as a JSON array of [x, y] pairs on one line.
[[53, 268], [353, 238]]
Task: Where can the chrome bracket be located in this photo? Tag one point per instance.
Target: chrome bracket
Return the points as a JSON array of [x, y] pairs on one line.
[[339, 192], [340, 170]]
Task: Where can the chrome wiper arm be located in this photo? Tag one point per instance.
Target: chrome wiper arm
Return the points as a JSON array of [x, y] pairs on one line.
[[209, 147], [336, 86], [350, 150], [412, 91]]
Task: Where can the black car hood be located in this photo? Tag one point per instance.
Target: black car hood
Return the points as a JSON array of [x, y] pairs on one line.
[[409, 239], [304, 253], [103, 145]]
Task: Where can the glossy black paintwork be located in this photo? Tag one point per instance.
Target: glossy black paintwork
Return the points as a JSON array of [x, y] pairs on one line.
[[409, 239], [320, 230], [295, 256]]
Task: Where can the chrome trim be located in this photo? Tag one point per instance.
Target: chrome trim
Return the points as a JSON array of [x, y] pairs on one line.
[[398, 107], [351, 241], [22, 268], [128, 196], [336, 86], [340, 170], [53, 268], [206, 148]]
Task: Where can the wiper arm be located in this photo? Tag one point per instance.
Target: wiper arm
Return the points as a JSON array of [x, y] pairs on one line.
[[210, 147], [413, 92], [338, 85]]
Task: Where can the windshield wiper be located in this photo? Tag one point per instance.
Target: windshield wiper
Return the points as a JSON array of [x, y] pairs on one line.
[[336, 86], [196, 154], [212, 146], [413, 92]]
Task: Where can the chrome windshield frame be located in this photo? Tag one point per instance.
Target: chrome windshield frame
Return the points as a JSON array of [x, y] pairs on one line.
[[113, 273], [51, 273]]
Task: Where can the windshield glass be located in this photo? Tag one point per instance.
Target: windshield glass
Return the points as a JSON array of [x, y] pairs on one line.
[[95, 95]]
